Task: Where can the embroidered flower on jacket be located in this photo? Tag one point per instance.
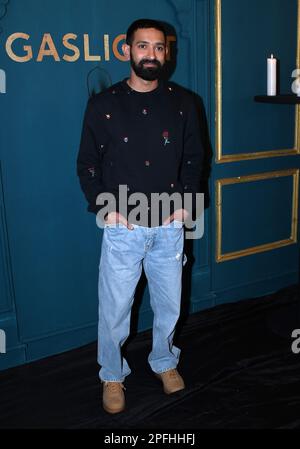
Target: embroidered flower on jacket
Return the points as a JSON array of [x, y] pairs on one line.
[[166, 137], [92, 171]]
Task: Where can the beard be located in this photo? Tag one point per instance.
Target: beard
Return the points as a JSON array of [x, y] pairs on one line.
[[147, 73]]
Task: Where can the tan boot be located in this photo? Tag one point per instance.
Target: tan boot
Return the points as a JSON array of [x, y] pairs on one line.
[[113, 397], [172, 381]]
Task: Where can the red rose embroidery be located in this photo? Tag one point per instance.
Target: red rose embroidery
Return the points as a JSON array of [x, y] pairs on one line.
[[166, 137]]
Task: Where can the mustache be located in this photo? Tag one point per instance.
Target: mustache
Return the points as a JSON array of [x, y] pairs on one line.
[[150, 61]]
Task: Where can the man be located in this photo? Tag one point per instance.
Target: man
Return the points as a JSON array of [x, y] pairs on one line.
[[142, 133]]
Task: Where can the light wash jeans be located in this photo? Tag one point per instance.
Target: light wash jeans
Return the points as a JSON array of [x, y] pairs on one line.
[[160, 250]]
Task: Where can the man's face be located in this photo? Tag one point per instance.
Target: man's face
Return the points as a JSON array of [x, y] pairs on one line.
[[148, 53]]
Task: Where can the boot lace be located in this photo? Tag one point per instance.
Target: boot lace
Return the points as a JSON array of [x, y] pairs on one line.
[[173, 374], [114, 387]]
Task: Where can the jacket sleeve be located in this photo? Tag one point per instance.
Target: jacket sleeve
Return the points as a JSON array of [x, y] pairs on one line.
[[193, 153], [89, 159]]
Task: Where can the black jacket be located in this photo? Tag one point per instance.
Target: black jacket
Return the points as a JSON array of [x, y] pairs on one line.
[[149, 141]]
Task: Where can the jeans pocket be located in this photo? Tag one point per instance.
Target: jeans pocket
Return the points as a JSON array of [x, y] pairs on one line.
[[115, 226]]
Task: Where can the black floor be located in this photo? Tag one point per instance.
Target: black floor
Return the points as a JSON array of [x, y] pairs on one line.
[[237, 361]]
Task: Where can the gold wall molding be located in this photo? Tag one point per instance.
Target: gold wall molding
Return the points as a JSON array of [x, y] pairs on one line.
[[220, 158], [292, 238]]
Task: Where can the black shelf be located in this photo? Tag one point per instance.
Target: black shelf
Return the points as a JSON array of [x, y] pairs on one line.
[[278, 99]]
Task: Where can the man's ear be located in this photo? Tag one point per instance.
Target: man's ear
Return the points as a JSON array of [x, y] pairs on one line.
[[126, 51]]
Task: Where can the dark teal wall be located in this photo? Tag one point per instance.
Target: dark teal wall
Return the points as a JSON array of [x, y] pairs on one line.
[[50, 245], [257, 212], [269, 27]]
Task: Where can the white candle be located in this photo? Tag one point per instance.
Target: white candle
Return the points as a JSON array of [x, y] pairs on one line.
[[272, 68]]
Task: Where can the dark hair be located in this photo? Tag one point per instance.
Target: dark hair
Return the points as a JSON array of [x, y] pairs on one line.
[[143, 23]]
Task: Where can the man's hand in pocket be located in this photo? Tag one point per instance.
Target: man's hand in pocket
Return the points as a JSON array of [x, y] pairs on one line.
[[116, 217]]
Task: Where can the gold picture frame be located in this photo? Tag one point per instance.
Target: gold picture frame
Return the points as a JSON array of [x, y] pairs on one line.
[[221, 257], [220, 158]]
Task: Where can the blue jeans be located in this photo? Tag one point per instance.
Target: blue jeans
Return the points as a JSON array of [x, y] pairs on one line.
[[123, 253]]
